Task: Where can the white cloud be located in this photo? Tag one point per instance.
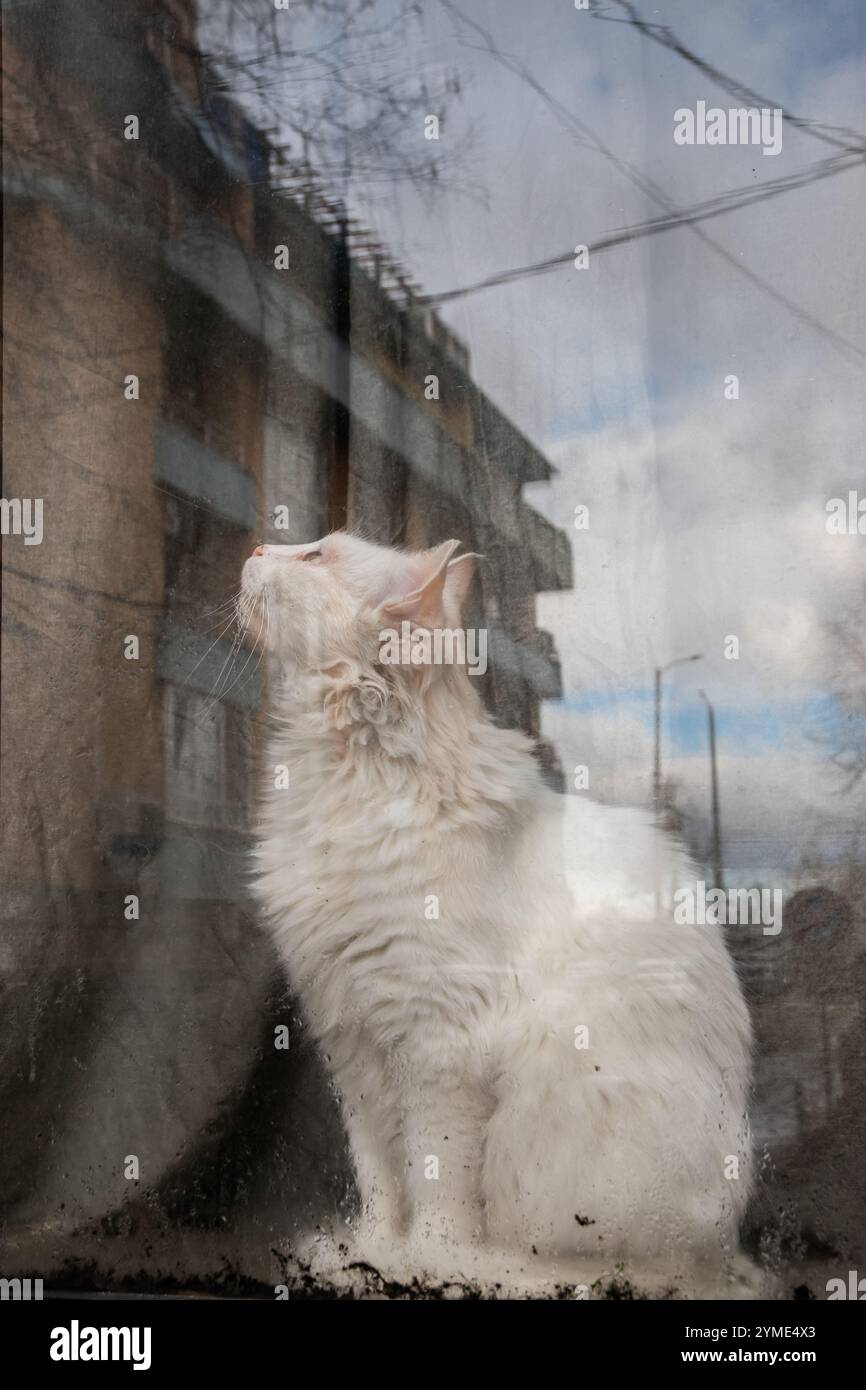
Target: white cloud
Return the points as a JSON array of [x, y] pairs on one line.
[[707, 516]]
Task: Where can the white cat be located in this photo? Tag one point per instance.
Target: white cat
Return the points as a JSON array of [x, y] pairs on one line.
[[529, 1052]]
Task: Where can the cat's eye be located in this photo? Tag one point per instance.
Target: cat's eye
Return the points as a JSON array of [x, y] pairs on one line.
[[312, 555]]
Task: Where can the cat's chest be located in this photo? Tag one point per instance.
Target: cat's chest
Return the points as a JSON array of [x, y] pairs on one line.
[[401, 914]]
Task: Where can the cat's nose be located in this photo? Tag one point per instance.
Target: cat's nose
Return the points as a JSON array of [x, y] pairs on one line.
[[259, 550]]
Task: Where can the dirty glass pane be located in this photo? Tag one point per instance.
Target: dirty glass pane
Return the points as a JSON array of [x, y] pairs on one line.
[[313, 978]]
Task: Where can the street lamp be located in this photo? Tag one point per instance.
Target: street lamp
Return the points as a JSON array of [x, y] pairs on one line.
[[657, 761]]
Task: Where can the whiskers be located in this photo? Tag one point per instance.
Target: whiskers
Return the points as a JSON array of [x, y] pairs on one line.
[[245, 609], [243, 616]]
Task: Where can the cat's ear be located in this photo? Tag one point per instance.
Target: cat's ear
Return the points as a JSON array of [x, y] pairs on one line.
[[459, 578], [424, 604]]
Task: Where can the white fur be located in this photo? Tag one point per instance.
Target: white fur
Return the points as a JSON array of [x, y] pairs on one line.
[[454, 1039]]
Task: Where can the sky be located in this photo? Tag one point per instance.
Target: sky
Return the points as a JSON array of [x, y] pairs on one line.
[[707, 515]]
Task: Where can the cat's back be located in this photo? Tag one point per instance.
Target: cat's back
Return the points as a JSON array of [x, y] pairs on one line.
[[608, 857]]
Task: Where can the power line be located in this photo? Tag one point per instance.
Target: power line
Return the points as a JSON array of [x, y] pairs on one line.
[[680, 217], [840, 136], [587, 137]]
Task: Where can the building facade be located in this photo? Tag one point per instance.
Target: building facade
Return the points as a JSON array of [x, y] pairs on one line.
[[194, 359]]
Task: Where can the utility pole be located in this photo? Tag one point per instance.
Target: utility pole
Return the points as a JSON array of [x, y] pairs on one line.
[[714, 782], [657, 743], [657, 726]]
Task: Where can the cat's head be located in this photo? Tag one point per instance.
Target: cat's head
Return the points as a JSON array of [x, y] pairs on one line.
[[335, 606]]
